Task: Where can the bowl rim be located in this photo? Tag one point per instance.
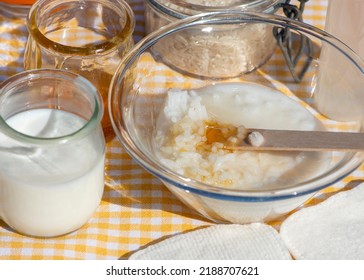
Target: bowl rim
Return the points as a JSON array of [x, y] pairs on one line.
[[190, 185]]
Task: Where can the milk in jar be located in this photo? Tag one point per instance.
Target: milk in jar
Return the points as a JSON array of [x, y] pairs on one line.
[[49, 194], [52, 152]]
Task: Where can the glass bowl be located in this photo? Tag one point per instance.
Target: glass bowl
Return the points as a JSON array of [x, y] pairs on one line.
[[163, 113]]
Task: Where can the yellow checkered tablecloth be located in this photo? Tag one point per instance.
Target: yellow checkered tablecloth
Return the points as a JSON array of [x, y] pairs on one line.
[[136, 209]]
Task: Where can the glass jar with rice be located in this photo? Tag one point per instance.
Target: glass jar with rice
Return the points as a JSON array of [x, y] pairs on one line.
[[158, 13], [248, 47]]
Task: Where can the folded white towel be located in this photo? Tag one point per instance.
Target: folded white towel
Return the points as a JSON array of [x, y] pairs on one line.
[[219, 242], [333, 229]]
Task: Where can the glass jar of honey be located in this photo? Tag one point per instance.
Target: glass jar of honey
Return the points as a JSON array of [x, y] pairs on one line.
[[86, 37]]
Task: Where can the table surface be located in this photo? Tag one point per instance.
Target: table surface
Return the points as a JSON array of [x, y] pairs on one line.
[[136, 209]]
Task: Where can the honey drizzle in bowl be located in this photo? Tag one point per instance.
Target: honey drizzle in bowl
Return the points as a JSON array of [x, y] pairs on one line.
[[226, 134], [217, 132]]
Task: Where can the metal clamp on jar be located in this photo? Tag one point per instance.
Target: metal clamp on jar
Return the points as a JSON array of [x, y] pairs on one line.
[[245, 57], [285, 40]]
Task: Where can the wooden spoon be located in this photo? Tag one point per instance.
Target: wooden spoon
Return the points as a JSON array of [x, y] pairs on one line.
[[290, 140]]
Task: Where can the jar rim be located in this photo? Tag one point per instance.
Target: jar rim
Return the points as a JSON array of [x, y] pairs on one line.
[[182, 9], [29, 75], [96, 49]]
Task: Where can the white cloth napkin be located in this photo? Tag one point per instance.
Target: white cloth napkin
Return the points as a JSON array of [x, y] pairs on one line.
[[219, 242], [333, 229]]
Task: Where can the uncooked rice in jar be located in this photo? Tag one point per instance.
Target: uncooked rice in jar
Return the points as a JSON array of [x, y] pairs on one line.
[[219, 53], [214, 51]]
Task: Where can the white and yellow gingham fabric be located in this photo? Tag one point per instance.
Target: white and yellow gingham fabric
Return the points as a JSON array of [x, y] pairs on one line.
[[136, 209]]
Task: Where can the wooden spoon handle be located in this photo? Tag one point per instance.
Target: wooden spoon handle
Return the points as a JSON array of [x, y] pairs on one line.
[[294, 140]]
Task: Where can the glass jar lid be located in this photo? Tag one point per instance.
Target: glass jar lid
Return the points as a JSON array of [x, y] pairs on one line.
[[181, 9]]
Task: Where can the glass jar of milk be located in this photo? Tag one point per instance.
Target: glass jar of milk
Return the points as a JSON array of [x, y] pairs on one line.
[[52, 152]]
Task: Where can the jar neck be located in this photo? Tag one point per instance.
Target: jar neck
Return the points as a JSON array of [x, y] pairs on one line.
[[50, 89]]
